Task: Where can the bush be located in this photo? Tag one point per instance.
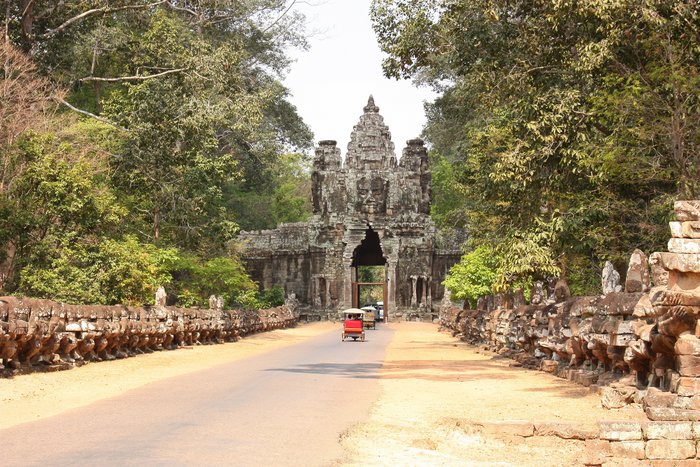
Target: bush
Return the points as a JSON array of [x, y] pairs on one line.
[[108, 272], [474, 276]]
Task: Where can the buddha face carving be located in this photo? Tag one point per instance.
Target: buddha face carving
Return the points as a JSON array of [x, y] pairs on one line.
[[371, 195]]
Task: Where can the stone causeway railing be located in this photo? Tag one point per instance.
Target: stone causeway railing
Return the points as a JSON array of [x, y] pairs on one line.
[[607, 443], [637, 345], [44, 335]]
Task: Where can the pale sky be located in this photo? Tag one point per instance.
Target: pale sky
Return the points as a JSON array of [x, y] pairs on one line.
[[330, 83]]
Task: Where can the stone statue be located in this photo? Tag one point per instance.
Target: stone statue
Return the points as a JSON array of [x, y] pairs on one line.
[[161, 296], [537, 295], [637, 279], [610, 279]]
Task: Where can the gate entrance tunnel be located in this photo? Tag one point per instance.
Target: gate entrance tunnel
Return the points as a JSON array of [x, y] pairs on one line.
[[369, 284]]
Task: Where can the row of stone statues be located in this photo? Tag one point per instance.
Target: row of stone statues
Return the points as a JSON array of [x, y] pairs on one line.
[[649, 333], [37, 333]]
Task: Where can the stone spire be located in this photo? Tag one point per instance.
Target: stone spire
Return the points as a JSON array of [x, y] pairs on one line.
[[371, 107], [370, 146]]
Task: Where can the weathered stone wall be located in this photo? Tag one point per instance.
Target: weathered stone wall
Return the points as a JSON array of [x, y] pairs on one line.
[[40, 334], [608, 443], [637, 344]]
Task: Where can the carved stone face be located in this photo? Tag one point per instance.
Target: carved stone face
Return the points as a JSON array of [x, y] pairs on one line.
[[371, 195]]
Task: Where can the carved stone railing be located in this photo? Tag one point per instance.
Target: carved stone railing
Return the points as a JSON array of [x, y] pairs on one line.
[[638, 345], [40, 334]]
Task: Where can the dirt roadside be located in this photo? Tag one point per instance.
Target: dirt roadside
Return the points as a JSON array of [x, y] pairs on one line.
[[32, 397], [432, 384]]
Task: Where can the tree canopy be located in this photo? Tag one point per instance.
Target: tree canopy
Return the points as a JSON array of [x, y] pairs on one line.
[[130, 131], [568, 127]]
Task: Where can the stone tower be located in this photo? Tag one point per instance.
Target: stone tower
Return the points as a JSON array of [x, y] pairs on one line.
[[370, 210]]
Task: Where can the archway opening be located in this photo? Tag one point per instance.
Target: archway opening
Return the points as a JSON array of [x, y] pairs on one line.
[[369, 251], [369, 283]]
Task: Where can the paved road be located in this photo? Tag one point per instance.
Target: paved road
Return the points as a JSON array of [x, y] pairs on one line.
[[285, 407]]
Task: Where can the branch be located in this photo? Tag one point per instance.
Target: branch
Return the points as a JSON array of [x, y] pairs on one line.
[[284, 13], [179, 8], [131, 78], [26, 9], [95, 11], [89, 114]]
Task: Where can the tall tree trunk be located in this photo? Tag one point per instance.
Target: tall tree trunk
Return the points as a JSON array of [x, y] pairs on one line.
[[27, 22]]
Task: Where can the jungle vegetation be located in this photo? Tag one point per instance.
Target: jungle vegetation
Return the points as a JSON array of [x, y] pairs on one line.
[[563, 130], [137, 139]]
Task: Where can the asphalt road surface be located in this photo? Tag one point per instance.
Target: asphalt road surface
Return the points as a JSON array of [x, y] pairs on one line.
[[285, 407]]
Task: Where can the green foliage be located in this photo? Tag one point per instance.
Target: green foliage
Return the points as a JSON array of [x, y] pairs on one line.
[[474, 276], [196, 280], [253, 300], [448, 197], [566, 127], [371, 274], [284, 197], [185, 110], [57, 193], [109, 272]]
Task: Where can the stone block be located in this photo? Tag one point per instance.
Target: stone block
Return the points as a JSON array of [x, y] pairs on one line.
[[658, 398], [586, 378], [671, 414], [522, 428], [661, 296], [687, 210], [674, 463], [565, 430], [668, 430], [678, 262], [550, 366], [628, 449], [670, 449], [688, 365], [688, 386], [684, 245], [620, 430], [596, 451], [687, 345], [687, 402], [688, 229], [626, 462], [621, 340]]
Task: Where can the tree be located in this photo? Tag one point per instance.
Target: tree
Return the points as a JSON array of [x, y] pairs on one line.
[[562, 117], [166, 108], [474, 276]]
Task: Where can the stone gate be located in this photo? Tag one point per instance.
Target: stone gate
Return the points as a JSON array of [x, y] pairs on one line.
[[369, 210]]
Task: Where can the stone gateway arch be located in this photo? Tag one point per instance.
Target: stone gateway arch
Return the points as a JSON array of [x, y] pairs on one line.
[[370, 210]]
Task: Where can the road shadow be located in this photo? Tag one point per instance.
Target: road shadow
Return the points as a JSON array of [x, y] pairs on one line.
[[346, 370], [427, 370], [443, 370]]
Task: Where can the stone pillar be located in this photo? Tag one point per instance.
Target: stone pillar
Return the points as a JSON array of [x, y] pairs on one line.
[[414, 291], [675, 301], [328, 293], [424, 291], [390, 306], [316, 292], [429, 299], [347, 284]]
